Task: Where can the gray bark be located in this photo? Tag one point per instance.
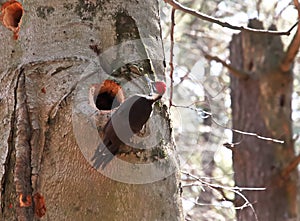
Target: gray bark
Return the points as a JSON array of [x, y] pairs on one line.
[[50, 70]]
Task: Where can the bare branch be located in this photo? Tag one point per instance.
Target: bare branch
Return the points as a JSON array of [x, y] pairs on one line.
[[186, 76], [220, 188], [172, 55], [281, 11], [258, 3], [294, 46], [206, 114], [255, 135], [290, 167], [177, 5], [232, 70]]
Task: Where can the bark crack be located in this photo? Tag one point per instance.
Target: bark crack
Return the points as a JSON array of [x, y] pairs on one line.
[[7, 179], [22, 174]]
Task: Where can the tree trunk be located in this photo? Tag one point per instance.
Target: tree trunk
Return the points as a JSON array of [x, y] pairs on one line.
[[52, 73], [261, 104]]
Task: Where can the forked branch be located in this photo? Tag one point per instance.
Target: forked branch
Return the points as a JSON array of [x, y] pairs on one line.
[[233, 71], [197, 14], [236, 190], [294, 46]]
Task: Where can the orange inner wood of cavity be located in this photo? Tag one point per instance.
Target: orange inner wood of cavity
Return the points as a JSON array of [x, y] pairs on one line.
[[113, 88], [11, 16]]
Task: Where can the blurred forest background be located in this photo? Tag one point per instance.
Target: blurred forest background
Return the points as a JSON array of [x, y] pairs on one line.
[[200, 140]]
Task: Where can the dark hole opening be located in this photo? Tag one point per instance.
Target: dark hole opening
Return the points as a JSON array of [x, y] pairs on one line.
[[108, 95], [250, 65], [12, 14], [105, 101], [17, 17], [282, 100]]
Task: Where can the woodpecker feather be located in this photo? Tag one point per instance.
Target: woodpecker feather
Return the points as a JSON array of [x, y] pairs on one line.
[[126, 121]]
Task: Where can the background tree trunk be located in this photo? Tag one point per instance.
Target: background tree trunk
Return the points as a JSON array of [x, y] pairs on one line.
[[43, 165], [261, 104]]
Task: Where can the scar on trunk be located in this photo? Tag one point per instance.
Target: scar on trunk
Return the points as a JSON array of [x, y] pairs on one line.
[[282, 100]]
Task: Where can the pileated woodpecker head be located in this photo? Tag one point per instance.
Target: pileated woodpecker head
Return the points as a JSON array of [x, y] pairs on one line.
[[159, 87], [127, 120]]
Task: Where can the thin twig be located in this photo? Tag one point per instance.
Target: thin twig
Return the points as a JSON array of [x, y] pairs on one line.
[[281, 11], [258, 4], [235, 72], [207, 114], [253, 134], [208, 18], [172, 55], [236, 190], [184, 77], [203, 182]]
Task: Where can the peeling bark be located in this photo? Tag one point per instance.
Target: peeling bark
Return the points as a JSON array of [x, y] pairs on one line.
[[22, 170]]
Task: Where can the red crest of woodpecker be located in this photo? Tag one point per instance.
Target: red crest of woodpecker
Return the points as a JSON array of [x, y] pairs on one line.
[[127, 120]]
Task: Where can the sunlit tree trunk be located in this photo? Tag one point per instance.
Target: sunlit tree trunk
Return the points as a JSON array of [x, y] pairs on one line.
[[55, 49]]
